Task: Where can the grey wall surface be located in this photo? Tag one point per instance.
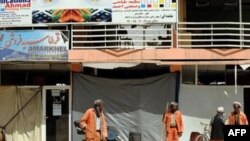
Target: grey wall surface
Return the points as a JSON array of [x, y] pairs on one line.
[[199, 103], [130, 105]]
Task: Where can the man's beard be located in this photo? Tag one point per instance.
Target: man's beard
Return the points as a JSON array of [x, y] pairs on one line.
[[97, 111]]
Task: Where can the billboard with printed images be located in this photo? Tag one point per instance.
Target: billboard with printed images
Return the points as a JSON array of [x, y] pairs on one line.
[[14, 12], [49, 45]]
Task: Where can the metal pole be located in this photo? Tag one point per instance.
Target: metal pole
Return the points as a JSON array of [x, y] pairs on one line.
[[0, 74], [240, 20], [196, 74], [176, 24], [240, 10], [235, 78]]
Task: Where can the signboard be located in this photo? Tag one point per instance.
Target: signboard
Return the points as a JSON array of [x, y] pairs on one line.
[[19, 12], [15, 12], [144, 11], [57, 109], [68, 4], [34, 45]]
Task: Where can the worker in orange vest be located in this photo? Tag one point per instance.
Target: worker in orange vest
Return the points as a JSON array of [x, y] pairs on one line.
[[173, 122], [237, 117], [93, 122]]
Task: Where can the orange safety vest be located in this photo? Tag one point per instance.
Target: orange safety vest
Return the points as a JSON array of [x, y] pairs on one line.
[[88, 121], [242, 118], [178, 120]]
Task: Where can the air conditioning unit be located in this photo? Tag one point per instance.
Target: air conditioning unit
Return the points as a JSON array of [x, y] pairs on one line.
[[202, 3], [216, 3], [231, 2]]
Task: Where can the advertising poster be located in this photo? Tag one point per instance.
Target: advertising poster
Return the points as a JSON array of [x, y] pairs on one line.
[[66, 11], [70, 4], [13, 12], [25, 12], [144, 11], [34, 45], [67, 16]]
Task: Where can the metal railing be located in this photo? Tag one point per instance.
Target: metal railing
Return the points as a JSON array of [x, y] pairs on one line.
[[213, 35], [188, 35], [121, 36], [36, 27]]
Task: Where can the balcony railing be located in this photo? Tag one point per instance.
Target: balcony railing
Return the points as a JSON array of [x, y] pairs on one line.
[[188, 35], [121, 36], [213, 35]]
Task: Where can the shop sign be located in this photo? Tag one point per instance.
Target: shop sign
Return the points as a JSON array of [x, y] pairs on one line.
[[30, 45]]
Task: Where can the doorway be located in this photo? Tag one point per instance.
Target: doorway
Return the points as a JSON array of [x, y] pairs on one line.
[[246, 102], [56, 113]]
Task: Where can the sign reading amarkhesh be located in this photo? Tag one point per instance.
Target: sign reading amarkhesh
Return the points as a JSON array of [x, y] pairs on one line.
[[34, 45]]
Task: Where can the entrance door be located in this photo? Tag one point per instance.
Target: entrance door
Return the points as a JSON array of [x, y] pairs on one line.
[[56, 109], [246, 102]]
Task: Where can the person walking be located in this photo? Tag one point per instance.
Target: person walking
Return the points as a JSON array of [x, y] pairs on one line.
[[173, 123], [217, 125], [93, 122]]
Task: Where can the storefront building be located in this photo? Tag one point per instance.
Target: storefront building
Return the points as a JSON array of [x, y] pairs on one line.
[[49, 43]]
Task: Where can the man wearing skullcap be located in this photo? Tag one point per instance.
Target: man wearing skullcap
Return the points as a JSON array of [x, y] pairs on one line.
[[93, 122], [173, 122], [217, 125], [237, 117]]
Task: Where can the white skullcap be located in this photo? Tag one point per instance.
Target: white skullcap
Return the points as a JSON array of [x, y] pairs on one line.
[[98, 102], [237, 103], [220, 109], [174, 103]]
